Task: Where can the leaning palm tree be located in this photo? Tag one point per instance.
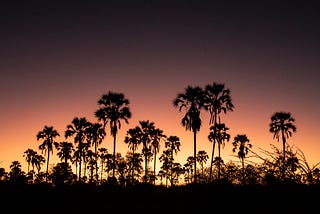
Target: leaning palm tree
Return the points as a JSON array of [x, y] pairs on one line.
[[192, 101], [282, 127], [78, 130], [48, 134], [113, 107], [217, 99], [241, 142]]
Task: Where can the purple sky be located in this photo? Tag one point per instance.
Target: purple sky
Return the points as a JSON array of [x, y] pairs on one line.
[[57, 59]]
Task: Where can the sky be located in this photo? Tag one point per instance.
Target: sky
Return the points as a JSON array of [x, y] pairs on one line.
[[57, 59]]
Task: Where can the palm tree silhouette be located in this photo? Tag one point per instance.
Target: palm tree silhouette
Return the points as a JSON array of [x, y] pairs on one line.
[[147, 128], [173, 145], [113, 107], [202, 158], [282, 127], [192, 101], [132, 138], [241, 141], [95, 136], [217, 99], [156, 137], [219, 133], [48, 134], [65, 150], [30, 154], [78, 129]]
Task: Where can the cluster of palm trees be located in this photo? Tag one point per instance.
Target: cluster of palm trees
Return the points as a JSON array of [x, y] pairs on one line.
[[85, 152]]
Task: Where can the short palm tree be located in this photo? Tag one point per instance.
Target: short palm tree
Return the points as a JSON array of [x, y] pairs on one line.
[[95, 136], [156, 137], [113, 107], [29, 155], [48, 134], [202, 158], [173, 145], [192, 101], [78, 129], [241, 142], [282, 127], [65, 150], [217, 100], [219, 134], [132, 138]]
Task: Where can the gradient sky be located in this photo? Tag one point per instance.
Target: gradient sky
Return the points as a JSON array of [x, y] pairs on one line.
[[56, 60]]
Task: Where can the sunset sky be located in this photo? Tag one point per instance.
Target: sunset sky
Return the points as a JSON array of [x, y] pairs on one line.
[[56, 60]]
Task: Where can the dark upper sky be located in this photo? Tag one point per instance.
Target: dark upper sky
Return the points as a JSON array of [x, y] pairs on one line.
[[60, 55]]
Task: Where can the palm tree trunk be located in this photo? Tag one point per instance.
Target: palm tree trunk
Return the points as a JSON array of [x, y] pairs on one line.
[[212, 158], [47, 165], [214, 144], [145, 168], [242, 160], [114, 155], [219, 161], [95, 152], [284, 154], [154, 168], [80, 161], [132, 173], [195, 154], [171, 181]]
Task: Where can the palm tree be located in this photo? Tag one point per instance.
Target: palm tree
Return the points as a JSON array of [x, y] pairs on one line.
[[241, 141], [78, 129], [219, 134], [202, 158], [48, 134], [282, 127], [65, 150], [217, 99], [173, 145], [29, 154], [156, 137], [192, 101], [133, 140], [95, 136], [113, 107]]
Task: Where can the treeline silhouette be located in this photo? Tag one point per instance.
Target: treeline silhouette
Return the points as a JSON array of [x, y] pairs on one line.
[[90, 176]]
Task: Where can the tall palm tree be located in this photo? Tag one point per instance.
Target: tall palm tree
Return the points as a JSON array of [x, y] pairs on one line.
[[78, 130], [48, 134], [192, 101], [241, 141], [113, 107], [282, 127], [219, 134], [217, 100]]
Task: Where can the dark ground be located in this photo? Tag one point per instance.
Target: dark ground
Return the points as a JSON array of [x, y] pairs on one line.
[[150, 199]]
